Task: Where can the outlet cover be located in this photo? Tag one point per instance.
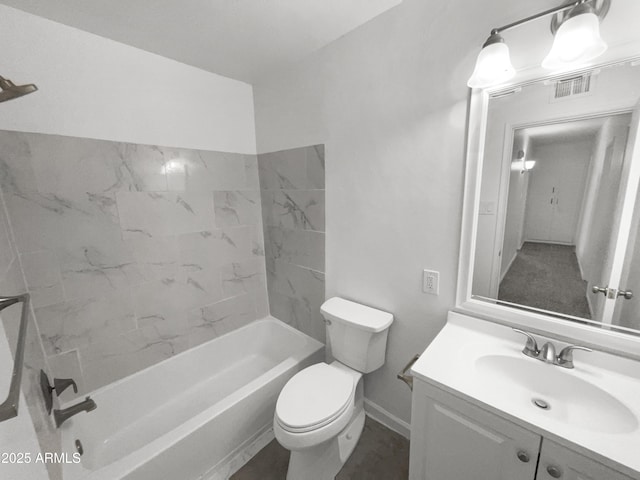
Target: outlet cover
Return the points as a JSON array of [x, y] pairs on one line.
[[431, 282]]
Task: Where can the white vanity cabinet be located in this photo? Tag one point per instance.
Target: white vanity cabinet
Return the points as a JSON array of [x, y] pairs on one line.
[[452, 439], [559, 462]]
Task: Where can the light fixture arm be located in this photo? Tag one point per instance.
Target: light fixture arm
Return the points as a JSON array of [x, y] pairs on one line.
[[551, 11]]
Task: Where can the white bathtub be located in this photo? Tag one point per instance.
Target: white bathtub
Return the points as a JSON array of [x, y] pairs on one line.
[[186, 417]]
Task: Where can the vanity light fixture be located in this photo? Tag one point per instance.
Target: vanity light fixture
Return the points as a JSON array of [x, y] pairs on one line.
[[577, 39], [576, 29], [494, 63]]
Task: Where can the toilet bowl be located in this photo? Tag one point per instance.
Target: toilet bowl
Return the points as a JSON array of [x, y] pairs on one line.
[[320, 411]]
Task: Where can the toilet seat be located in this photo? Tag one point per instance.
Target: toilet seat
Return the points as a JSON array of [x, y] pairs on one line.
[[314, 398]]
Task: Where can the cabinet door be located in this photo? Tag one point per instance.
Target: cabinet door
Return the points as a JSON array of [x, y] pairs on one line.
[[558, 462], [454, 440]]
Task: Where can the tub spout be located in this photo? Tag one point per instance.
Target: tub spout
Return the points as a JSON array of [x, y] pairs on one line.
[[64, 414]]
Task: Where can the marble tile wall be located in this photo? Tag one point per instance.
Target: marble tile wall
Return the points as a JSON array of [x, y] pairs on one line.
[[293, 214], [12, 282], [132, 253]]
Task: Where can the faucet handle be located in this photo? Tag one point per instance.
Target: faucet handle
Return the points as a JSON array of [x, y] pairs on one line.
[[565, 357], [531, 347], [61, 384]]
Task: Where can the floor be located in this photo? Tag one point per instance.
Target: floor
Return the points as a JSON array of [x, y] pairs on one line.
[[381, 454], [546, 276]]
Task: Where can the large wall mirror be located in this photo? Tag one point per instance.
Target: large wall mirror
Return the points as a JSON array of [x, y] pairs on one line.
[[552, 208]]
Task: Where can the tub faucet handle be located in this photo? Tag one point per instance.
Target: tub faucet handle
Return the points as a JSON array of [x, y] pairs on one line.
[[61, 384]]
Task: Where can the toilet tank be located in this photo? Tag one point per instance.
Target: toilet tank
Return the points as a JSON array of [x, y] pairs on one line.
[[357, 333]]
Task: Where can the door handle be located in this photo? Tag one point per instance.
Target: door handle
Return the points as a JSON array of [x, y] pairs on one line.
[[627, 294], [612, 292], [603, 290]]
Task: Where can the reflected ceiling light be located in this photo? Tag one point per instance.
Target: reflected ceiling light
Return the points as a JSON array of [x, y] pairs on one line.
[[173, 166], [576, 27], [520, 163]]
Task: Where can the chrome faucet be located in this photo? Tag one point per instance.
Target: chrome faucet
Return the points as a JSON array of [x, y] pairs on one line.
[[548, 352], [60, 416]]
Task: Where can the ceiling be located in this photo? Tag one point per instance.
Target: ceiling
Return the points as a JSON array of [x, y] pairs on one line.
[[568, 132], [241, 39]]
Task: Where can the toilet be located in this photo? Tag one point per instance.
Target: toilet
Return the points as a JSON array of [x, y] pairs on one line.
[[320, 411]]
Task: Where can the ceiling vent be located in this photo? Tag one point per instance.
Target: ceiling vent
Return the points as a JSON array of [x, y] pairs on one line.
[[570, 87], [505, 93]]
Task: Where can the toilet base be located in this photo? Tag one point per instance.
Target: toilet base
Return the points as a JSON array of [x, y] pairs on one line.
[[324, 461]]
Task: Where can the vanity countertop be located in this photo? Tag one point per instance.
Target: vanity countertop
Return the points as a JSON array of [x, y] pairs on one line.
[[594, 407]]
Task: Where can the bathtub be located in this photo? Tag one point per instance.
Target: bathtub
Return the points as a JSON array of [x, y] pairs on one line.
[[189, 416]]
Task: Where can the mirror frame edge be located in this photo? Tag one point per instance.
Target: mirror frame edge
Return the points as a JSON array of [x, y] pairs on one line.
[[610, 341]]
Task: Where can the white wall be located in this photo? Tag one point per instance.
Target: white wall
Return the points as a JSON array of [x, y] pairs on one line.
[[596, 166], [93, 87], [389, 102], [516, 203], [595, 234], [561, 165]]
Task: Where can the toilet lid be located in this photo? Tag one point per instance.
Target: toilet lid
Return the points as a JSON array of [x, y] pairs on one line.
[[314, 397]]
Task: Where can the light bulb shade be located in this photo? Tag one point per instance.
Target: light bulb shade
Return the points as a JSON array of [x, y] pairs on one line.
[[492, 67], [577, 41]]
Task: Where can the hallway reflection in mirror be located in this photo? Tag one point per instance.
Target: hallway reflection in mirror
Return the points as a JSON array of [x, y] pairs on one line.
[[557, 202], [560, 191]]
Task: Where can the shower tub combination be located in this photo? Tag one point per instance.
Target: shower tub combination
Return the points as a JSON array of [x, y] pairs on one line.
[[191, 416]]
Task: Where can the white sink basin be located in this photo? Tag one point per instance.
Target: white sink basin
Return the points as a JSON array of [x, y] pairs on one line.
[[594, 406], [568, 398]]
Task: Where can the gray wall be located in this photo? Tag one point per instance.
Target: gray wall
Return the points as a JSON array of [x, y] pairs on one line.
[[293, 198], [389, 102], [132, 253]]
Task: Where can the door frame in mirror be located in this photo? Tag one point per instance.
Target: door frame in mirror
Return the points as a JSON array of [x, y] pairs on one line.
[[617, 340], [503, 194]]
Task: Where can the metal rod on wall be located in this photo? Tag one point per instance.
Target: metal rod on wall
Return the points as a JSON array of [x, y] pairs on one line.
[[9, 408]]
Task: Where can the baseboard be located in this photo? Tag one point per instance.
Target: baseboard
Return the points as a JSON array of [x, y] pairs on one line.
[[387, 419], [552, 242]]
